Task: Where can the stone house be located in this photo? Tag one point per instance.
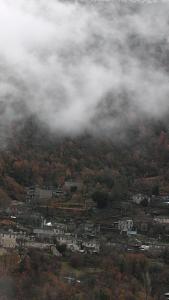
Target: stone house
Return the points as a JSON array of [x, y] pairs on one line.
[[37, 245], [125, 225], [8, 240], [39, 195], [70, 241], [91, 246], [164, 220], [44, 233], [72, 186], [138, 198]]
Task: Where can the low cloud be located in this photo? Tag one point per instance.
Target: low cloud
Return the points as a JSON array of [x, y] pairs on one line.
[[83, 66]]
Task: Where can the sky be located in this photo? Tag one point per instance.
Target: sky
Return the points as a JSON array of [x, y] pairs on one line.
[[83, 65]]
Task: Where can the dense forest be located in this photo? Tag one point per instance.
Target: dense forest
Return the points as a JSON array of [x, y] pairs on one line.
[[39, 276], [33, 155]]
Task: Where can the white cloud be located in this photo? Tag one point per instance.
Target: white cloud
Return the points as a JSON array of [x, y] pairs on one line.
[[62, 59]]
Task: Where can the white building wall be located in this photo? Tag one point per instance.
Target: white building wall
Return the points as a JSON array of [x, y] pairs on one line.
[[125, 225], [8, 240]]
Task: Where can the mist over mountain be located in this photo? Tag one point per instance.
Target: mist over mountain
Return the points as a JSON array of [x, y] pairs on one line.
[[83, 66]]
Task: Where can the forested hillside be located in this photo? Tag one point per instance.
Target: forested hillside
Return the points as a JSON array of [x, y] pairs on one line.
[[33, 155]]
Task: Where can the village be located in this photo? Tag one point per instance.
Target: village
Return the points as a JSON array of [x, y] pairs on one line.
[[44, 221]]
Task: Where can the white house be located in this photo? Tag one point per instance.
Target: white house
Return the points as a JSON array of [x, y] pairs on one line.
[[91, 246], [162, 220], [125, 225], [8, 240]]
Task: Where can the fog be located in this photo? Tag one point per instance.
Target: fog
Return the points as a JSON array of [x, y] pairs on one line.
[[83, 66]]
